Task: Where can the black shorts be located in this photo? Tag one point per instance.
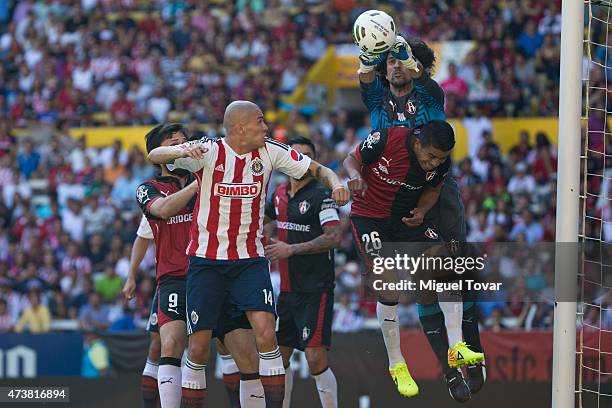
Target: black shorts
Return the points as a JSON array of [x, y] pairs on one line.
[[230, 320], [370, 236], [152, 323], [305, 319], [171, 295], [448, 214]]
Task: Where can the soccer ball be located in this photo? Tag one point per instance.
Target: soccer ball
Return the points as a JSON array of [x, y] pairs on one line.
[[374, 31]]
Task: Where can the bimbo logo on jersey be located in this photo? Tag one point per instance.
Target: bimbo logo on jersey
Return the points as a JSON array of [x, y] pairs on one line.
[[237, 190]]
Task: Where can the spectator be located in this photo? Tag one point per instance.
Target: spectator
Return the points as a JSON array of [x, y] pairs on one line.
[[123, 110], [109, 285], [96, 357], [36, 318], [73, 220], [312, 46], [521, 182], [28, 160], [346, 318], [97, 217], [454, 84], [158, 107], [124, 190], [74, 259], [522, 149], [6, 320], [96, 252], [58, 305], [530, 40], [121, 316], [16, 187], [532, 229], [495, 322], [94, 314]]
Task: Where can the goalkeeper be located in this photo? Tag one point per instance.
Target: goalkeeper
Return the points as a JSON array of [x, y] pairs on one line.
[[397, 89]]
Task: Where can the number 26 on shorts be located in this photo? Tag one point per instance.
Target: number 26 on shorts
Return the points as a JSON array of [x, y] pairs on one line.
[[371, 243]]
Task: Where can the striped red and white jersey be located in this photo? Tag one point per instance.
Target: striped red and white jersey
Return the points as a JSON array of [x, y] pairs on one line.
[[229, 212]]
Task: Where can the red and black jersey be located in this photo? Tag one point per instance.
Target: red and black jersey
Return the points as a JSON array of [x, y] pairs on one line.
[[301, 218], [394, 177], [171, 235]]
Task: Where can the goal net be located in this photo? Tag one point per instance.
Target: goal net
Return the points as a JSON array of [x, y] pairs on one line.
[[594, 343]]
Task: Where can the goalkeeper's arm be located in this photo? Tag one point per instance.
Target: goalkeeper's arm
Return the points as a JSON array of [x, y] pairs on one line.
[[367, 66]]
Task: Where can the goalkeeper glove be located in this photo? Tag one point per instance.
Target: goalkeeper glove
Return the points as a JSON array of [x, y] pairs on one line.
[[368, 61], [402, 51]]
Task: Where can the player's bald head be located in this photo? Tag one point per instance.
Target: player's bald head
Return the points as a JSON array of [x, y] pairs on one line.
[[239, 112]]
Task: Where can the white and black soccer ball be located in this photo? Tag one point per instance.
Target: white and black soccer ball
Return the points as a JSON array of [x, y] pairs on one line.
[[374, 31]]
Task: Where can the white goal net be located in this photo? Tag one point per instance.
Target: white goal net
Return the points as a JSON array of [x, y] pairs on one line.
[[594, 343]]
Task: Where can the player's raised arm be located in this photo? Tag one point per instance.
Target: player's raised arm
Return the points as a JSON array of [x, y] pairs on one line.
[[168, 206], [168, 154], [367, 66], [326, 176], [352, 165], [402, 52]]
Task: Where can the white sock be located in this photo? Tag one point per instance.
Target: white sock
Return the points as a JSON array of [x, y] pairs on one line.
[[228, 365], [389, 326], [150, 369], [169, 382], [328, 388], [252, 394], [194, 376], [451, 304], [271, 363], [288, 387]]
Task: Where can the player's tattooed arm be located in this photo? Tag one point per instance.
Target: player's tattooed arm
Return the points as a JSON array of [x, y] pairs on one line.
[[167, 154], [168, 206], [428, 199], [331, 238], [339, 193]]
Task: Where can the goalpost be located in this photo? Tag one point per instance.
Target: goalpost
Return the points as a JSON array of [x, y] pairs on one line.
[[584, 210], [566, 265]]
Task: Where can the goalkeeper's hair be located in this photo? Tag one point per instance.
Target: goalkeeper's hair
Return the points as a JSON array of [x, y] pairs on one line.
[[293, 140], [420, 50], [159, 133], [437, 133]]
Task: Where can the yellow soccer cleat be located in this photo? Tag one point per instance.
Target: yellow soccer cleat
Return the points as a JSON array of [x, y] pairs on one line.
[[403, 380], [460, 355]]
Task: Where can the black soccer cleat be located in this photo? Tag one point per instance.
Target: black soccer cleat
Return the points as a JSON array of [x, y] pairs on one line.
[[477, 375], [457, 387]]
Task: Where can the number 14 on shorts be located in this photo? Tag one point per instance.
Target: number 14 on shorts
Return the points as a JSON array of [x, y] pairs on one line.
[[268, 297]]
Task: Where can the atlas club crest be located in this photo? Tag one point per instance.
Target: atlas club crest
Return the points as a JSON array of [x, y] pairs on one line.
[[304, 206], [411, 107], [430, 175]]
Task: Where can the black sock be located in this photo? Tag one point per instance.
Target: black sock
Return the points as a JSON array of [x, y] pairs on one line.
[[435, 331], [471, 333], [150, 394]]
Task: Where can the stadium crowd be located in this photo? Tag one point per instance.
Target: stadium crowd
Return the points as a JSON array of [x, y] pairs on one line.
[[68, 215]]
